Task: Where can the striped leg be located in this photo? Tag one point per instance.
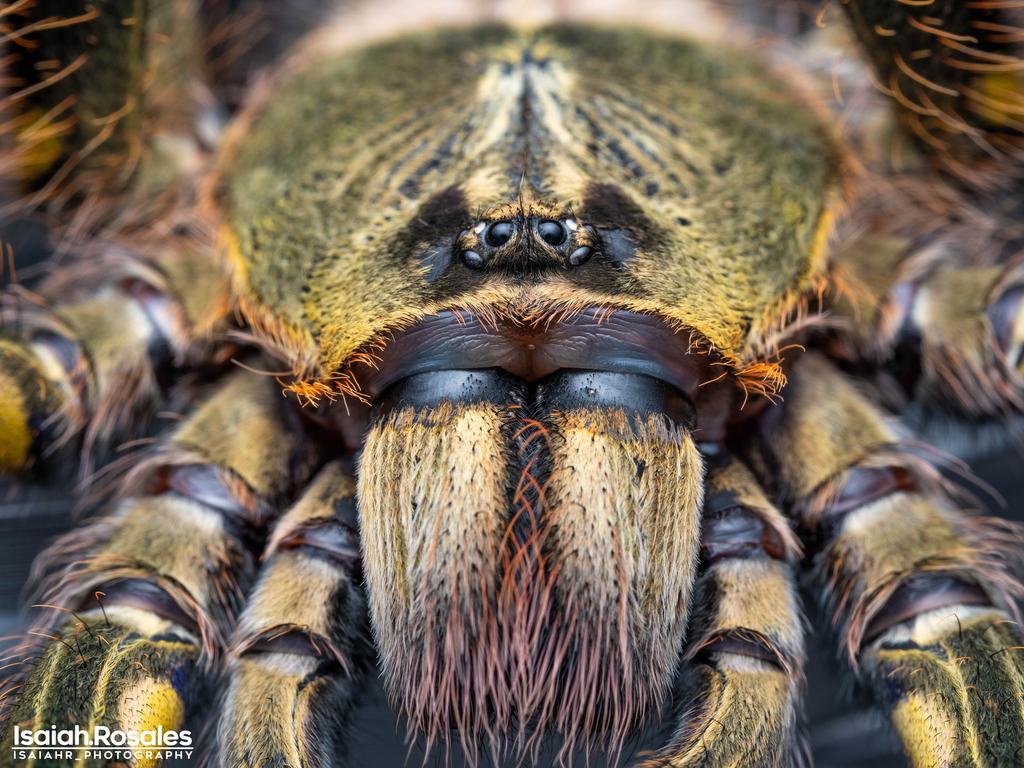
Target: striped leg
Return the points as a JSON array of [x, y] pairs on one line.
[[147, 594], [296, 657], [85, 355], [919, 590], [970, 320], [106, 128], [959, 319], [742, 688], [936, 286]]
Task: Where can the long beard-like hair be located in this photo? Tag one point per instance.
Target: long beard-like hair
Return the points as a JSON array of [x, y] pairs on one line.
[[528, 576]]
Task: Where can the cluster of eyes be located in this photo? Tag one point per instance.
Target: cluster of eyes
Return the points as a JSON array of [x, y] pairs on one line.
[[498, 233]]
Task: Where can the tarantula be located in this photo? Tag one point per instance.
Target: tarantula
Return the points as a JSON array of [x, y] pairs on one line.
[[590, 326]]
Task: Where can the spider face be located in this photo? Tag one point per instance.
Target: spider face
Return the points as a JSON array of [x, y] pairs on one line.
[[532, 174], [531, 294], [540, 233]]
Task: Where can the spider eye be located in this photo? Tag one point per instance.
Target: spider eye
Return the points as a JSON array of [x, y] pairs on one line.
[[499, 233], [579, 256], [551, 232]]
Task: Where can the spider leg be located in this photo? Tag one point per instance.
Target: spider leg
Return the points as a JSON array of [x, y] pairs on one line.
[[956, 312], [144, 597], [970, 319], [85, 356], [953, 72], [109, 126], [105, 103], [920, 591], [741, 690], [931, 279], [295, 660], [931, 273]]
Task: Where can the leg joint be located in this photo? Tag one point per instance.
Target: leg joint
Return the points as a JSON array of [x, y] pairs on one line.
[[732, 530]]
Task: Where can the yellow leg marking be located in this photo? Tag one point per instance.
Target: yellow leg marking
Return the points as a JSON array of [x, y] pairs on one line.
[[15, 438], [955, 697], [145, 706], [927, 729], [742, 719]]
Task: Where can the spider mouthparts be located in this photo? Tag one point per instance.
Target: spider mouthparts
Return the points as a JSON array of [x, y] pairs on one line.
[[636, 394], [531, 545], [645, 360]]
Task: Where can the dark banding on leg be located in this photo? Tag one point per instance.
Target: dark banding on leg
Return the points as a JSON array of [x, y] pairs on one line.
[[740, 697], [921, 592], [300, 647], [140, 603]]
